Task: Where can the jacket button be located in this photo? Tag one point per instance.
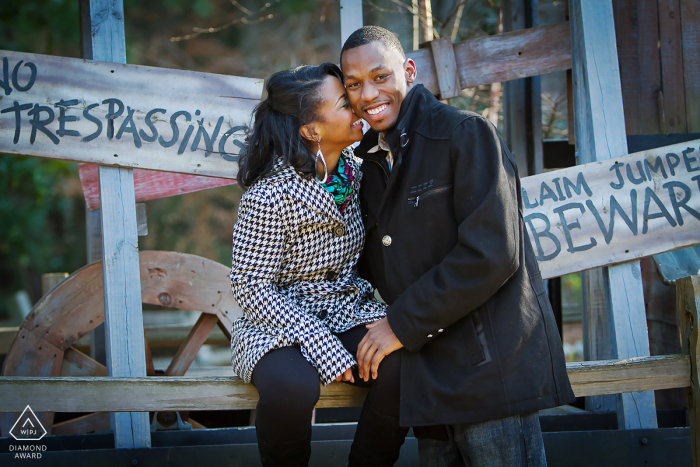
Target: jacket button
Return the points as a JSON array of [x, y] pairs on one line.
[[331, 275], [339, 231], [429, 336], [386, 240], [322, 315], [440, 330]]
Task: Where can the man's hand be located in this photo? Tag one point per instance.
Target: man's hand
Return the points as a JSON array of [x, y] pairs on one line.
[[347, 376], [379, 342]]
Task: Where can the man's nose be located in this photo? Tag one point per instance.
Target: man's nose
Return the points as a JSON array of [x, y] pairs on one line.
[[369, 93]]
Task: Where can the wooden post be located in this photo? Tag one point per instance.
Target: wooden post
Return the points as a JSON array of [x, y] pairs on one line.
[[687, 308], [350, 18], [120, 265], [522, 108], [600, 134]]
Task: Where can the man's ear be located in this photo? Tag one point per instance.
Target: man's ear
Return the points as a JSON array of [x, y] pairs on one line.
[[410, 68], [308, 132]]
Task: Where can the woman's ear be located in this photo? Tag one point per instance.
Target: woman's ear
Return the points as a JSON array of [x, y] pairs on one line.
[[308, 132]]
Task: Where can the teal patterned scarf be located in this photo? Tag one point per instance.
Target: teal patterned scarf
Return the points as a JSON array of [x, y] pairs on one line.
[[339, 184]]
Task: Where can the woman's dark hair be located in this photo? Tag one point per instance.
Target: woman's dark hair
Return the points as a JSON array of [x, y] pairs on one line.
[[293, 99]]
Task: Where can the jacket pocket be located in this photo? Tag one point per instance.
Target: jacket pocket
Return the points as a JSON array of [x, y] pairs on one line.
[[415, 201], [474, 338]]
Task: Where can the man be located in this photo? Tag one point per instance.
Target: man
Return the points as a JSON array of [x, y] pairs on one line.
[[447, 249]]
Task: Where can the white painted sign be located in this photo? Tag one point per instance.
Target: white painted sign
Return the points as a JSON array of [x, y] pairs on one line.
[[124, 115], [615, 210]]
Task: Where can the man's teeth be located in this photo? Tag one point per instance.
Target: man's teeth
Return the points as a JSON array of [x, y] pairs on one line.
[[376, 110]]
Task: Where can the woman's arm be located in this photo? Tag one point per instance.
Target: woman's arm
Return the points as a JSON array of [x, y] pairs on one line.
[[258, 254]]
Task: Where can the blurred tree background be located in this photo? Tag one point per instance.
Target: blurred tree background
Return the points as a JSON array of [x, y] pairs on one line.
[[42, 218]]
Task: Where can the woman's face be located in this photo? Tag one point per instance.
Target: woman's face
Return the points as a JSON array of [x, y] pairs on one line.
[[336, 124]]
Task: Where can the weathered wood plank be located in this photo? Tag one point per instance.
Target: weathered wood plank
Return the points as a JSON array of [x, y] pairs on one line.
[[688, 317], [84, 362], [216, 393], [148, 184], [124, 115], [672, 66], [188, 350], [446, 68], [512, 55], [597, 91], [122, 288], [350, 18], [85, 424], [690, 36], [7, 336]]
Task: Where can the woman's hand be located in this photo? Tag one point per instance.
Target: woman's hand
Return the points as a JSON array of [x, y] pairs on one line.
[[347, 376]]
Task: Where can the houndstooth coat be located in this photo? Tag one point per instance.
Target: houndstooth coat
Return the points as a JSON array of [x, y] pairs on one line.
[[294, 273]]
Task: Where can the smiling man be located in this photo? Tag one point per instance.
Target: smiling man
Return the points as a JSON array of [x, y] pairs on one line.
[[447, 249]]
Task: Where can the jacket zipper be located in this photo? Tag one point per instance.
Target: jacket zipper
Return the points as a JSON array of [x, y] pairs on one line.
[[428, 194]]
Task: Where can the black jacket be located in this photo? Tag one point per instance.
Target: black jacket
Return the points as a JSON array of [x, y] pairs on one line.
[[447, 249]]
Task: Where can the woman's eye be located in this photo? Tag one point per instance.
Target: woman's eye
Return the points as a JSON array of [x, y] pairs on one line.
[[345, 105]]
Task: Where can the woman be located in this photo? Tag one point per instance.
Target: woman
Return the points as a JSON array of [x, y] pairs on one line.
[[296, 244]]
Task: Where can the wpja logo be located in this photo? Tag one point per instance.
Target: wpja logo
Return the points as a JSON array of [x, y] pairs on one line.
[[28, 428]]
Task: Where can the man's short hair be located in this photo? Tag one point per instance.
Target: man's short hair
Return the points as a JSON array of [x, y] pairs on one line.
[[368, 34]]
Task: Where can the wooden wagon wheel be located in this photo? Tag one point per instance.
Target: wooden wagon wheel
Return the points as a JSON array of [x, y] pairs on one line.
[[76, 306]]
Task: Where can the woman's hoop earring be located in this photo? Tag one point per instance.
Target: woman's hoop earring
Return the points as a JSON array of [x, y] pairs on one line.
[[319, 155]]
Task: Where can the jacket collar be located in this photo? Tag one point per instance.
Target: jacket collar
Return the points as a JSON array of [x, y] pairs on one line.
[[309, 191]]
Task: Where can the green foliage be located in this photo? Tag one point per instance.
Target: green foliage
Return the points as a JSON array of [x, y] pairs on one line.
[[47, 27], [41, 222]]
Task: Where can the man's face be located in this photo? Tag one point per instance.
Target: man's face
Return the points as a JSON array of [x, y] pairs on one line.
[[377, 80]]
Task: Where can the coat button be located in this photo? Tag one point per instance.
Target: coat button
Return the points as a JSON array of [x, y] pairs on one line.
[[339, 231], [386, 240], [440, 330], [322, 315], [429, 336], [331, 275]]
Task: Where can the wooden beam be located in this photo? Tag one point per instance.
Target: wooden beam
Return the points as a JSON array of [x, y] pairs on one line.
[[120, 265], [446, 66], [502, 57], [216, 393], [7, 336], [688, 318], [93, 422], [350, 18], [597, 92]]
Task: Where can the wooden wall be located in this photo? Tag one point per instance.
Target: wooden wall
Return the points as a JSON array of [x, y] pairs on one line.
[[658, 43]]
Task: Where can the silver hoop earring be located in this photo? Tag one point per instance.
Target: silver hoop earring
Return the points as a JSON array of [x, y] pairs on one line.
[[319, 155]]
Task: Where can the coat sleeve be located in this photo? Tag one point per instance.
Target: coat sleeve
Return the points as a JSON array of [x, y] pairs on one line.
[[487, 251], [258, 254]]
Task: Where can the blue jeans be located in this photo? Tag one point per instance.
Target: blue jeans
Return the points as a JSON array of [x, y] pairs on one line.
[[509, 442]]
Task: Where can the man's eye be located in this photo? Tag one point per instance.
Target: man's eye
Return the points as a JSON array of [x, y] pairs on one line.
[[351, 85], [381, 77]]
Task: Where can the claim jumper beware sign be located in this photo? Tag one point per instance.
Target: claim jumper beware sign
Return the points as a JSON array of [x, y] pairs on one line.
[[616, 210], [124, 115]]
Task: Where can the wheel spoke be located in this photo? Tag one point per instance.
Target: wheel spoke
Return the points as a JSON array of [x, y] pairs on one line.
[[188, 350], [82, 361]]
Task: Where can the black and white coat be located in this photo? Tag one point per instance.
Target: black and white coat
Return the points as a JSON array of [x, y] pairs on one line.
[[294, 273]]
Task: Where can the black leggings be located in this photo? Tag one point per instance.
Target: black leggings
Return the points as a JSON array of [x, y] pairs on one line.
[[289, 389]]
